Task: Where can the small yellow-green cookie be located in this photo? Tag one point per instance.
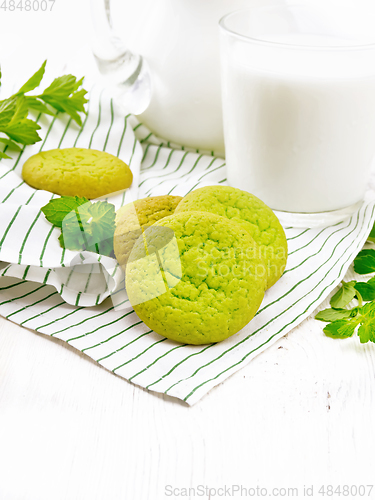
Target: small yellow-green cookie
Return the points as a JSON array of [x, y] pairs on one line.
[[131, 218], [252, 214], [77, 172], [195, 277]]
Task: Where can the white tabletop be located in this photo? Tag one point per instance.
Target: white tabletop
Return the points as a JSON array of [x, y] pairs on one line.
[[300, 414]]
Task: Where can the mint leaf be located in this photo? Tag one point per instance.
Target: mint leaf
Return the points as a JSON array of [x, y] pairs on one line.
[[347, 330], [85, 225], [367, 290], [98, 223], [343, 322], [344, 295], [91, 227], [368, 310], [364, 263], [72, 235], [56, 210], [366, 332], [340, 329], [34, 81], [329, 315]]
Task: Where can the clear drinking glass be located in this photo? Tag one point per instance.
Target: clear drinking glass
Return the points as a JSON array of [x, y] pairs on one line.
[[298, 90]]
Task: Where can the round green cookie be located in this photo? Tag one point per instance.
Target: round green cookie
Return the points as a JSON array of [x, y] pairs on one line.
[[77, 172], [131, 218], [252, 214], [195, 278]]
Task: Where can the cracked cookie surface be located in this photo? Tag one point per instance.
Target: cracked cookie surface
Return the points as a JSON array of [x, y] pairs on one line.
[[131, 218], [77, 172], [252, 214], [196, 277]]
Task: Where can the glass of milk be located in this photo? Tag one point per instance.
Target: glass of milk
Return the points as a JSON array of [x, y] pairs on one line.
[[298, 92]]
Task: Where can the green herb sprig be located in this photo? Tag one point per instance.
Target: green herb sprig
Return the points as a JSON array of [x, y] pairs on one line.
[[84, 225], [63, 95], [343, 320]]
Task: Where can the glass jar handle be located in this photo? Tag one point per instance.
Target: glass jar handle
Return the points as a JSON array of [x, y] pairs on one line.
[[127, 72]]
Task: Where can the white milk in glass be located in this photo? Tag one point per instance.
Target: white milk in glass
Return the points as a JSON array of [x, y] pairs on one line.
[[299, 128]]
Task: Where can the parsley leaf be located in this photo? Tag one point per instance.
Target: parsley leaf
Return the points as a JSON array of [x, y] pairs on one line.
[[19, 128], [35, 105], [23, 131], [10, 144], [63, 95], [7, 110], [85, 225], [34, 81], [344, 295]]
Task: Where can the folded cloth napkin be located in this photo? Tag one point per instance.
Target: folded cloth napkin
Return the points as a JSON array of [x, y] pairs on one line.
[[79, 297], [28, 242]]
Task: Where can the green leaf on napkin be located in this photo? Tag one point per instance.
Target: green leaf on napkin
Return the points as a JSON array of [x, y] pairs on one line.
[[56, 210], [84, 225]]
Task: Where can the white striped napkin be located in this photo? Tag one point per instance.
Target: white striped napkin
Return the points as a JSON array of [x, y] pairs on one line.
[[39, 292], [28, 242]]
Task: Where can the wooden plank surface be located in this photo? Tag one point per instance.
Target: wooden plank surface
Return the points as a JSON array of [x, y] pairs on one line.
[[301, 413]]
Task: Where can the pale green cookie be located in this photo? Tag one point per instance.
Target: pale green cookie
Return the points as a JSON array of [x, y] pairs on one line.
[[131, 218], [195, 277], [77, 172], [252, 214]]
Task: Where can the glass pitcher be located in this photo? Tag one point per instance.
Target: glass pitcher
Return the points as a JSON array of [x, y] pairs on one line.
[[164, 54]]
